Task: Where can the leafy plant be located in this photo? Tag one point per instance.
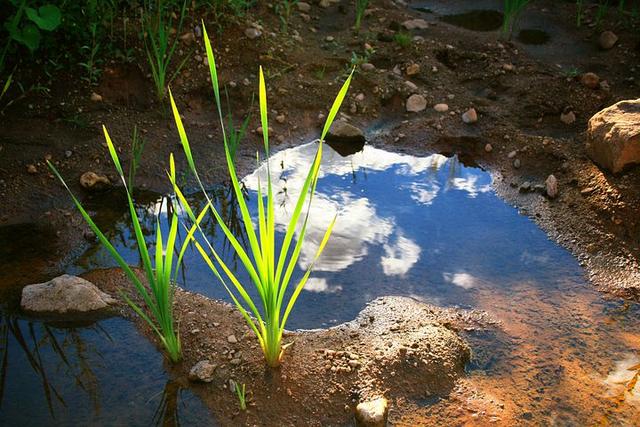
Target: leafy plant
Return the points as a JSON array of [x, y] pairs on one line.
[[159, 49], [361, 6], [270, 272], [512, 9], [402, 39], [27, 31], [90, 65], [158, 298]]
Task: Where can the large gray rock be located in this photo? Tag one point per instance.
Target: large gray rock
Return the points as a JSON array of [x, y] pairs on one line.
[[64, 294], [613, 136]]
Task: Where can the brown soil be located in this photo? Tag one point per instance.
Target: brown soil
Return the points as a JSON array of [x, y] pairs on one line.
[[396, 347]]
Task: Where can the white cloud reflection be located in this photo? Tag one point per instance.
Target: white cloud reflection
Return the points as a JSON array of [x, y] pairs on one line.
[[320, 285], [359, 224], [463, 280]]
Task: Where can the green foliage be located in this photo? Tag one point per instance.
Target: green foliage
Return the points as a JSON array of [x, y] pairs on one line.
[[579, 12], [92, 61], [25, 24], [361, 6], [402, 39], [158, 297], [159, 48], [269, 272], [512, 10], [601, 11]]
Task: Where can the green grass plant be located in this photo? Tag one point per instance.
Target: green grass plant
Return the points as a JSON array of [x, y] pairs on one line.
[[158, 297], [402, 39], [270, 272], [361, 6], [512, 9], [241, 393], [160, 49]]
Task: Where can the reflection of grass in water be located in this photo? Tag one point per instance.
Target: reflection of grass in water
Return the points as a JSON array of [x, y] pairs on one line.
[[71, 351], [167, 413]]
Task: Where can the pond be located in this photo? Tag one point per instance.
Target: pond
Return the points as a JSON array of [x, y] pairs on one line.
[[428, 227]]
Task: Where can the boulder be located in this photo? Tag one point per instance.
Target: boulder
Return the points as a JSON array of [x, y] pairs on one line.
[[64, 294], [613, 136], [372, 413]]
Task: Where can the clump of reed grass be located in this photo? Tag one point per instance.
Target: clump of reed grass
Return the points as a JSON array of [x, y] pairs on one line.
[[157, 310], [512, 10], [361, 6], [270, 271]]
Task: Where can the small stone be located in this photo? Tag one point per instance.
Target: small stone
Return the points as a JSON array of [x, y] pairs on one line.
[[525, 187], [324, 4], [68, 153], [329, 39], [372, 413], [416, 103], [568, 117], [280, 118], [441, 108], [412, 69], [96, 97], [203, 371], [507, 67], [232, 339], [516, 163], [470, 116], [304, 7], [32, 169], [590, 80], [360, 97], [252, 33], [411, 86], [367, 66], [488, 148], [512, 154], [551, 185], [94, 182], [415, 24], [607, 40]]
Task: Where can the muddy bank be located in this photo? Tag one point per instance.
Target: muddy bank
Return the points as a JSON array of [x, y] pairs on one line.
[[397, 347]]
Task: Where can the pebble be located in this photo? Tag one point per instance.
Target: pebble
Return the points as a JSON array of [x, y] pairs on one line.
[[202, 371], [412, 69], [512, 154], [568, 117], [607, 40], [488, 148], [68, 153], [516, 163], [507, 67], [232, 339], [470, 116], [329, 39], [441, 108], [304, 7], [32, 169], [252, 33], [590, 80], [372, 413], [551, 185], [96, 97], [415, 24], [411, 86], [416, 103], [360, 97], [367, 67], [280, 118]]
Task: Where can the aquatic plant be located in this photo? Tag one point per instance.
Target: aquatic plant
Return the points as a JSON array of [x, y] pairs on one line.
[[361, 6], [512, 9], [158, 297], [159, 49], [269, 271]]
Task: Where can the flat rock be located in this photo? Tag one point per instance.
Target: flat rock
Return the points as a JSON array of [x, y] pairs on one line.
[[64, 294], [341, 131], [415, 24], [613, 136]]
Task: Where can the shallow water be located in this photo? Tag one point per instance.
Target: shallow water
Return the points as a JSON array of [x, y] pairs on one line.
[[431, 228]]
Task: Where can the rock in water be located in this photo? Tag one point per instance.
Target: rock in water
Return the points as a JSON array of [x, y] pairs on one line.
[[203, 371], [416, 103], [607, 40], [342, 131], [551, 186], [470, 116], [372, 413], [613, 136], [64, 294], [94, 182]]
